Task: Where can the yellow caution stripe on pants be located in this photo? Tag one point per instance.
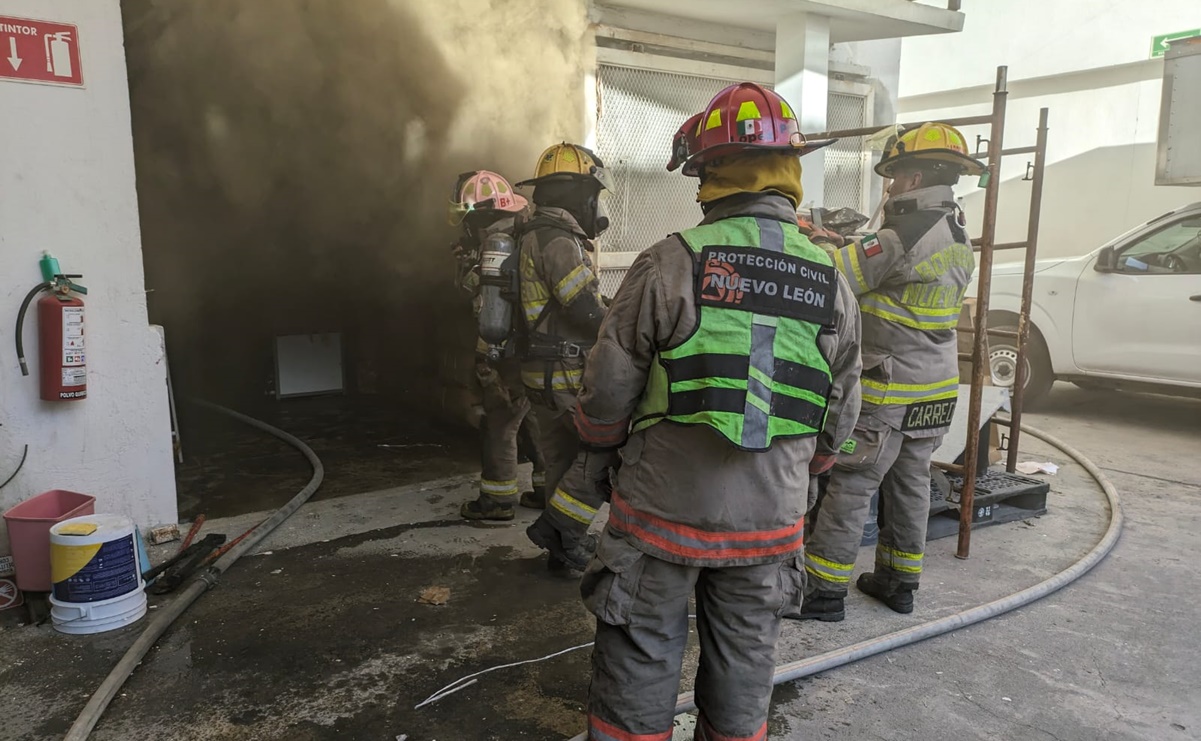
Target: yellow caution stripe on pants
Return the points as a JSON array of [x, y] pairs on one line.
[[572, 507], [831, 571], [498, 488], [900, 561]]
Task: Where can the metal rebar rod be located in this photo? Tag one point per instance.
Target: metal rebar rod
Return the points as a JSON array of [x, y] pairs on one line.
[[869, 130], [979, 364], [993, 332], [949, 467], [1002, 246], [1023, 357]]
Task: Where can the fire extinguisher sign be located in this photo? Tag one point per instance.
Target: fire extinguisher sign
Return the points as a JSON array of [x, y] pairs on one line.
[[43, 52]]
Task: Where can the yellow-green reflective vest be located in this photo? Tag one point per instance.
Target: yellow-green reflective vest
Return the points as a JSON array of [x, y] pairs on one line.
[[752, 369]]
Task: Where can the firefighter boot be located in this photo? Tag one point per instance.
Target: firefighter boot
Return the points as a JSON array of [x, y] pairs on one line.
[[535, 499], [828, 607], [566, 559], [889, 590], [486, 509], [578, 550]]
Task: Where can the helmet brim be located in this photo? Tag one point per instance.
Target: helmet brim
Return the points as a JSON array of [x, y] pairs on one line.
[[692, 166], [967, 165], [599, 175], [457, 211]]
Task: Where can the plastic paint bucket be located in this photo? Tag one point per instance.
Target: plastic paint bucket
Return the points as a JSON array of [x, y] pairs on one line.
[[97, 574]]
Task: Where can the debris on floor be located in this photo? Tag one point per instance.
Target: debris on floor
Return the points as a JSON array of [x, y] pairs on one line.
[[434, 596], [164, 534], [1032, 467]]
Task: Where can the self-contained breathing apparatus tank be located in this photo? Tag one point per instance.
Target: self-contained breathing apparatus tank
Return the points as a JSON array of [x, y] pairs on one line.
[[498, 291]]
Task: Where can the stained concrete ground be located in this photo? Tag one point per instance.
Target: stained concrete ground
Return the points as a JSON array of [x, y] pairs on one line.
[[321, 636]]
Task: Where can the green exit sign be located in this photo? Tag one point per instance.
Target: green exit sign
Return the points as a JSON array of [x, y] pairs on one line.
[[1159, 44]]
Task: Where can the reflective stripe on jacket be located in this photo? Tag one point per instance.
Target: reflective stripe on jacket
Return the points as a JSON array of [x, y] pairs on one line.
[[554, 271], [910, 278]]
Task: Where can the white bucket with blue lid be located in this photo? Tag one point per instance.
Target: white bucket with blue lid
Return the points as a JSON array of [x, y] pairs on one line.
[[96, 574]]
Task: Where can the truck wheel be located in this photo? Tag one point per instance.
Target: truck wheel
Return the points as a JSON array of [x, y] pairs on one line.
[[1002, 363]]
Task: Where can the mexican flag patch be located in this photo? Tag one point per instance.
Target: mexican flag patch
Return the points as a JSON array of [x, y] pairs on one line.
[[872, 246]]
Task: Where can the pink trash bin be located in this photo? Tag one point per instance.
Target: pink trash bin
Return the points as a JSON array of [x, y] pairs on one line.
[[29, 526]]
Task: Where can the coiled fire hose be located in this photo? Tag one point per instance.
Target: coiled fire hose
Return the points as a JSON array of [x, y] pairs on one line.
[[848, 654], [787, 672]]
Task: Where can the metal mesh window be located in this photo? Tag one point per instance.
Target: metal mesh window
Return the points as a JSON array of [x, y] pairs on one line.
[[640, 111], [846, 164]]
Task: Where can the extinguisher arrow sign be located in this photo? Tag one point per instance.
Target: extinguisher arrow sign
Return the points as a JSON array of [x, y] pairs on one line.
[[13, 58], [27, 41]]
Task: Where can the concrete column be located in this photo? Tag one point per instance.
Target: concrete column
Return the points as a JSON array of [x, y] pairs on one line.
[[802, 77]]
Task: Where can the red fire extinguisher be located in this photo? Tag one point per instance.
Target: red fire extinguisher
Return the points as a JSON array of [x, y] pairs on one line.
[[61, 348]]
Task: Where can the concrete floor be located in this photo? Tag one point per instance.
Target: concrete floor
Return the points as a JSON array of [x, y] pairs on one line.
[[321, 637]]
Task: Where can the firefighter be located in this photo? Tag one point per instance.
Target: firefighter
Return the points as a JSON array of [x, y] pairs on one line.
[[727, 371], [562, 308], [910, 278], [482, 203]]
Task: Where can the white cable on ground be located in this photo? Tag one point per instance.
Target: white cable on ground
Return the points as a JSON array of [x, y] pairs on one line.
[[108, 689], [447, 690], [462, 682], [848, 654]]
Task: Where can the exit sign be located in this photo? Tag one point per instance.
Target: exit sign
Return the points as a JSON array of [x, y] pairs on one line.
[[1159, 44]]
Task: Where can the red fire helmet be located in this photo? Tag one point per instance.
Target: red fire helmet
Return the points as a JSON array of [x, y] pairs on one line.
[[742, 117]]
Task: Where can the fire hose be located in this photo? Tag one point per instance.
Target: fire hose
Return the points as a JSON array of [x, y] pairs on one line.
[[787, 672], [807, 667], [108, 689]]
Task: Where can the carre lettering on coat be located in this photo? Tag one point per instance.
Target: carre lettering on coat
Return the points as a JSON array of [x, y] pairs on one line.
[[930, 415]]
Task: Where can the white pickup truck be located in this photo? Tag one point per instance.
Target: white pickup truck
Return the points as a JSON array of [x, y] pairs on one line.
[[1125, 316]]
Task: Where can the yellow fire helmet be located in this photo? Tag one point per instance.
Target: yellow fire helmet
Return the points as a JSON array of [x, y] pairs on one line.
[[931, 143], [568, 161]]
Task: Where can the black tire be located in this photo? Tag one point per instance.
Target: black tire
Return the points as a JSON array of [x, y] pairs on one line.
[[1002, 363]]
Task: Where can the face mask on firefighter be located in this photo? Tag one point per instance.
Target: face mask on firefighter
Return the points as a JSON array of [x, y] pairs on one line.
[[600, 214]]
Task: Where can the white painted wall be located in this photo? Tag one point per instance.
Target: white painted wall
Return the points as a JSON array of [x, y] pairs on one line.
[[1086, 61], [67, 179]]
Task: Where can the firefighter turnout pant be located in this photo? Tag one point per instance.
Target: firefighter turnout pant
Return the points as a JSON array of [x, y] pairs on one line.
[[508, 428], [642, 627], [575, 488], [899, 467]]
